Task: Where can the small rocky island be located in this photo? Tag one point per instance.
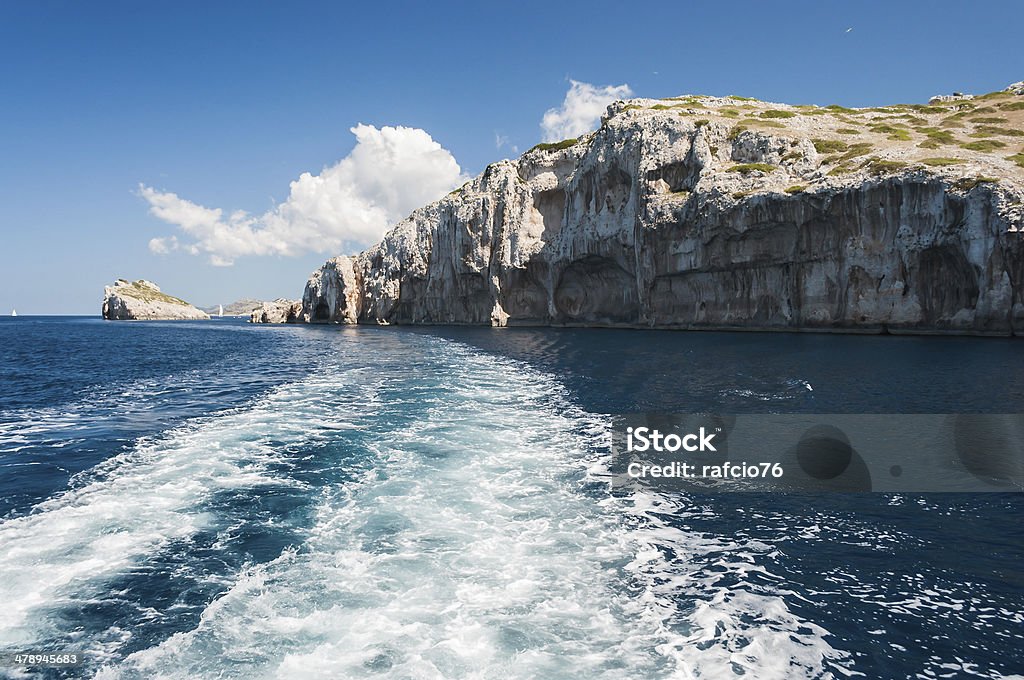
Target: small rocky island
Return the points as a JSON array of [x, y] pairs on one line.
[[143, 300], [719, 213]]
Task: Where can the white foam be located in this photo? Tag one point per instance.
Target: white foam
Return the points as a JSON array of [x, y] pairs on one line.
[[470, 552], [138, 502]]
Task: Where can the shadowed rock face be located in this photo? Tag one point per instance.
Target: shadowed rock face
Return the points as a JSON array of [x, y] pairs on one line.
[[648, 223], [332, 294], [277, 311]]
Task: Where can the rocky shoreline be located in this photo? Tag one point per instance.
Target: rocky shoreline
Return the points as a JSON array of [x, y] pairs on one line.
[[712, 213]]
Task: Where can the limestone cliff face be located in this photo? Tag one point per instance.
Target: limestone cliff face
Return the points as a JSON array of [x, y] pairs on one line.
[[277, 311], [144, 300], [704, 212], [333, 294]]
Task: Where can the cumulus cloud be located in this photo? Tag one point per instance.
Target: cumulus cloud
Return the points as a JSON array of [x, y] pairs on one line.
[[501, 141], [390, 172], [581, 111], [163, 245]]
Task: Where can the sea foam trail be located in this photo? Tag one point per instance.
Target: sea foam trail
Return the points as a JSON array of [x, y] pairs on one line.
[[735, 620], [138, 502], [48, 434], [471, 549]]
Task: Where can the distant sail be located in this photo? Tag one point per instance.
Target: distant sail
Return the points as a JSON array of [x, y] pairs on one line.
[[221, 311], [14, 312]]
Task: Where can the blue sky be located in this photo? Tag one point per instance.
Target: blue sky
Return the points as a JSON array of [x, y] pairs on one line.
[[223, 105]]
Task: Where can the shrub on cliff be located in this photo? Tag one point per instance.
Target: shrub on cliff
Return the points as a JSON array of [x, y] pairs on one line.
[[555, 146]]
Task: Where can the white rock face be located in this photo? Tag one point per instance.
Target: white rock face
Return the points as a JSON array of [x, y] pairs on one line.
[[333, 294], [278, 311], [673, 216], [144, 300]]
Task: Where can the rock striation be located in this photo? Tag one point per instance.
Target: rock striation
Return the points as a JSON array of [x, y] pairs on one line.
[[720, 212], [143, 299], [277, 311]]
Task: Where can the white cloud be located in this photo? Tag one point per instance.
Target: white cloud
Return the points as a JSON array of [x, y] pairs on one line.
[[164, 245], [390, 172], [581, 111], [501, 141]]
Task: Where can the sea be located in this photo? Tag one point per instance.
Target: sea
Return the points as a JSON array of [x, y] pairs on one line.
[[225, 500]]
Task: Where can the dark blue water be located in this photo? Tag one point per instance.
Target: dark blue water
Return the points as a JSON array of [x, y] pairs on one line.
[[79, 390], [216, 499], [629, 371]]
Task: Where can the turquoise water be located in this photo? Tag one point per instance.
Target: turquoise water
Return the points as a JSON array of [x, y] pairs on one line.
[[214, 499]]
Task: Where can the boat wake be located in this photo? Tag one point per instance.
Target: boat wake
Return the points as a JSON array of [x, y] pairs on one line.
[[455, 523]]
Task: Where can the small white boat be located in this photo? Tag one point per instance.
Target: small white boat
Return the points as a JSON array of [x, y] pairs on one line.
[[14, 312], [220, 312]]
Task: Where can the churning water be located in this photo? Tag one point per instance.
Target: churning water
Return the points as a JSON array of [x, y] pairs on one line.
[[191, 500]]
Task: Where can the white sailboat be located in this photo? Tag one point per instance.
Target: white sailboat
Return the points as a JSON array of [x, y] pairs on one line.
[[14, 312], [220, 312]]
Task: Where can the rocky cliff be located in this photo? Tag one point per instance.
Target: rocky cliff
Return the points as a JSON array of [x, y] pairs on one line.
[[277, 311], [144, 300], [706, 212]]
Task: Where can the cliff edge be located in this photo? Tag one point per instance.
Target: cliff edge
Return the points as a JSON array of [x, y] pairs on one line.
[[720, 212], [143, 300]]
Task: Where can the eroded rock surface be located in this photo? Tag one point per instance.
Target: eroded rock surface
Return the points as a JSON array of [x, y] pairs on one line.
[[277, 311], [333, 293], [703, 212]]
